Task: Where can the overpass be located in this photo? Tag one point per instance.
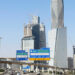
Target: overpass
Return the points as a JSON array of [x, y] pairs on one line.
[[37, 64]]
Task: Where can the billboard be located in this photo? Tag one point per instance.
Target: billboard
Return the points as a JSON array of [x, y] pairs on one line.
[[21, 55], [40, 54]]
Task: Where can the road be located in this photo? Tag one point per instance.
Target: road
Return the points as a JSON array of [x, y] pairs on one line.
[[9, 72], [36, 74], [12, 72]]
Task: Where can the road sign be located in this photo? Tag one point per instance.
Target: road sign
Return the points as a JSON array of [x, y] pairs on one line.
[[40, 54], [27, 67], [21, 55]]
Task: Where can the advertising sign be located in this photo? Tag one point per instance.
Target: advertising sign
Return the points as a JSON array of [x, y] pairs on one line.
[[21, 55], [40, 54]]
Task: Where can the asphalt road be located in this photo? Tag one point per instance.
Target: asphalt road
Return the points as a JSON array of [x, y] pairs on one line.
[[30, 74], [9, 72], [36, 74], [12, 72]]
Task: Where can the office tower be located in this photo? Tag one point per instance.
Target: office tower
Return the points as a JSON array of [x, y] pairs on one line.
[[57, 36]]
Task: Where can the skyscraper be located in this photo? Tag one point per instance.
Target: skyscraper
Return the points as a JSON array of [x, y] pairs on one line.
[[57, 37]]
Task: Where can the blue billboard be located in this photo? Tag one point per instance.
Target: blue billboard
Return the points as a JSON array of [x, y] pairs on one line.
[[40, 54], [27, 67], [21, 55]]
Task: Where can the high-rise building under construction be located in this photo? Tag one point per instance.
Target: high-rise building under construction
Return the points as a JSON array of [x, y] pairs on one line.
[[36, 30], [34, 37]]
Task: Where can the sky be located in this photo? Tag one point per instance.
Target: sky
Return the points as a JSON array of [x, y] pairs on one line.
[[14, 13]]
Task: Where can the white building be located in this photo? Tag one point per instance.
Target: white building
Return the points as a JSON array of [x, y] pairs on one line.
[[57, 36], [58, 47], [27, 44]]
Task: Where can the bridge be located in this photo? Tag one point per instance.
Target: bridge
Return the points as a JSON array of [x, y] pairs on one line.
[[37, 64]]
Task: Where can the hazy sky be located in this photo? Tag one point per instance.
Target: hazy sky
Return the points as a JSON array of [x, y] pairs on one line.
[[13, 14]]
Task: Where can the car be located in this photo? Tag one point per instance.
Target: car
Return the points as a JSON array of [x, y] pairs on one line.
[[31, 71], [24, 72]]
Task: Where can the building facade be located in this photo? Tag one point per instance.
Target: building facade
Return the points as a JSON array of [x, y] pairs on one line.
[[27, 44], [70, 62]]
